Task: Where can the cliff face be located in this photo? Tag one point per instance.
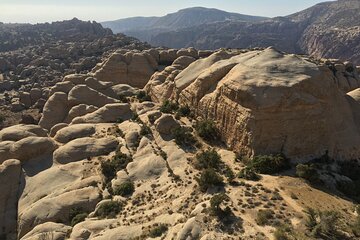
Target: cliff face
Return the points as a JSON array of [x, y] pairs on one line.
[[265, 101]]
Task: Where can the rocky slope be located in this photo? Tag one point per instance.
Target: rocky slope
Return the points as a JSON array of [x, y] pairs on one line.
[[145, 28], [35, 57], [105, 162], [329, 29]]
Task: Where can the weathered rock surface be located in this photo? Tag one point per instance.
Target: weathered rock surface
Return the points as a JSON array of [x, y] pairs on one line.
[[55, 110], [267, 102], [83, 148], [10, 171]]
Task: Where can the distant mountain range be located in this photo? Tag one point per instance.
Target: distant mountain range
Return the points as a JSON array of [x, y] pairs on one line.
[[146, 28], [329, 29]]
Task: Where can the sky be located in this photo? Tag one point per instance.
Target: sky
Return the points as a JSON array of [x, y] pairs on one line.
[[37, 11]]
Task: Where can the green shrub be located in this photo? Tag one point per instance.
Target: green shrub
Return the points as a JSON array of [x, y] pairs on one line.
[[322, 224], [215, 205], [78, 218], [229, 174], [207, 130], [208, 159], [109, 209], [123, 98], [145, 130], [269, 164], [158, 231], [307, 172], [117, 163], [183, 111], [143, 97], [263, 217], [249, 174], [169, 107], [183, 137], [77, 215], [209, 178], [283, 232], [124, 189]]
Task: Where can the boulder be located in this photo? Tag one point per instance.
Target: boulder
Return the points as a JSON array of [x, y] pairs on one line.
[[79, 110], [64, 87], [10, 172], [35, 95], [110, 113], [82, 94], [55, 110], [25, 99], [166, 124], [83, 148], [18, 132], [75, 78], [54, 231], [56, 128], [72, 132], [32, 147]]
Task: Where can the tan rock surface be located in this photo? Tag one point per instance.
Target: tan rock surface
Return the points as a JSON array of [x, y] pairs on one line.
[[55, 110]]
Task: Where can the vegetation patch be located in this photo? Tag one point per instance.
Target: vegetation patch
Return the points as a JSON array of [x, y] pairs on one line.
[[169, 107], [249, 174], [209, 178], [109, 209], [77, 215], [208, 159], [2, 118], [269, 164], [183, 137], [125, 189], [207, 130], [215, 205], [307, 172], [143, 97], [145, 130], [263, 217], [183, 111], [158, 231], [117, 163]]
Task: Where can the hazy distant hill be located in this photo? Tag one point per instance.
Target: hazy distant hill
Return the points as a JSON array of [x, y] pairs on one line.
[[145, 28], [329, 29]]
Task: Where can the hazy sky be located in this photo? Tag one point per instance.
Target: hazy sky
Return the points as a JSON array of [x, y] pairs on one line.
[[34, 11]]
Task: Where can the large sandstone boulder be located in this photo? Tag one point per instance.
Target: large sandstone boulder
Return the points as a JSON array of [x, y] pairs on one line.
[[134, 69], [10, 172], [72, 132], [79, 110], [166, 124], [264, 102], [83, 148], [55, 110], [18, 132], [27, 148], [107, 114], [54, 231], [82, 94]]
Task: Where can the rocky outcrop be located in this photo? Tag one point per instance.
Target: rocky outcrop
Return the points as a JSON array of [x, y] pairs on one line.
[[265, 101], [10, 186]]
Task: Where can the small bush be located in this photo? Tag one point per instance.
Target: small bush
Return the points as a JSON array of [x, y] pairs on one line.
[[263, 217], [183, 137], [78, 218], [307, 172], [145, 130], [123, 98], [124, 189], [158, 231], [169, 107], [208, 159], [249, 174], [269, 164], [143, 97], [209, 178], [183, 111], [283, 232], [207, 130], [109, 209], [215, 205], [229, 174], [322, 224], [118, 162]]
